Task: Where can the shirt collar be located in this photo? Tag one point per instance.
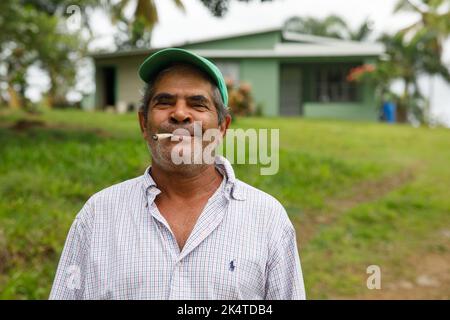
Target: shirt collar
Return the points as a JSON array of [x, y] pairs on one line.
[[232, 187]]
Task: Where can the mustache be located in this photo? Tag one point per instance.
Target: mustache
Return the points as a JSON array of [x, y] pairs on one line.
[[170, 128]]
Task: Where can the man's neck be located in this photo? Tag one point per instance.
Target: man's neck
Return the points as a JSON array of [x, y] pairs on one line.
[[201, 181]]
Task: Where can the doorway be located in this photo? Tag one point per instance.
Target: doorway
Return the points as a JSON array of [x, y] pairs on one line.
[[291, 90], [109, 84]]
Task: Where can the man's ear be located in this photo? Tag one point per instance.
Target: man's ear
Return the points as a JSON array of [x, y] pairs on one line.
[[143, 124], [225, 125]]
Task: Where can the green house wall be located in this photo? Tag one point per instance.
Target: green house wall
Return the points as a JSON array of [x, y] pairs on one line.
[[264, 77]]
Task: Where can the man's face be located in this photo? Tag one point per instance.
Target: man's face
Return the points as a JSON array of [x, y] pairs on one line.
[[181, 97]]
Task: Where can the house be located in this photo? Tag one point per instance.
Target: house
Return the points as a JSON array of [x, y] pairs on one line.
[[290, 74]]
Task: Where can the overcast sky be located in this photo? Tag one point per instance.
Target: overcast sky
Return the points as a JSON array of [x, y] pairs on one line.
[[249, 16], [197, 23]]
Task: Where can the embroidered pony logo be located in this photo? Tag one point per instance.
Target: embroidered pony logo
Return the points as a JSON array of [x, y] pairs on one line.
[[232, 266]]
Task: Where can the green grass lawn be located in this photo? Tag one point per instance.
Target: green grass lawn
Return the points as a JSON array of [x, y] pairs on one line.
[[358, 194]]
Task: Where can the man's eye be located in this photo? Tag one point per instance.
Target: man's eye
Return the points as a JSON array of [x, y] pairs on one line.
[[163, 103]]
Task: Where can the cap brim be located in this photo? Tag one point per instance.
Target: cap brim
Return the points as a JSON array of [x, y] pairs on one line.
[[163, 58]]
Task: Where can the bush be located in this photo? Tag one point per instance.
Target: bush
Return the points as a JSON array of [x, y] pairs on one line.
[[240, 99]]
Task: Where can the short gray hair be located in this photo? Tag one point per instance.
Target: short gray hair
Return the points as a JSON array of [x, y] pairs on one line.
[[149, 92]]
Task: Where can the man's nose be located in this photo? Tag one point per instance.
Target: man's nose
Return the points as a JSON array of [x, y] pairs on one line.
[[180, 113]]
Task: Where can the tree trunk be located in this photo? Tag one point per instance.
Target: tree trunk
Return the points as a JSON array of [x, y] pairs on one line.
[[51, 94], [404, 104], [14, 99], [406, 94], [428, 106]]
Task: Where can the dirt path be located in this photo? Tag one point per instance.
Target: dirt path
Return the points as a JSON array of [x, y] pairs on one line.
[[428, 274], [366, 191]]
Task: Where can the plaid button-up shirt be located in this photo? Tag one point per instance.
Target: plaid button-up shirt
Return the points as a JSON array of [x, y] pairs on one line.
[[243, 246]]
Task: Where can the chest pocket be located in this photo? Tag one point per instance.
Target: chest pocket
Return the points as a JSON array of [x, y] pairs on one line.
[[251, 283], [240, 278], [223, 278]]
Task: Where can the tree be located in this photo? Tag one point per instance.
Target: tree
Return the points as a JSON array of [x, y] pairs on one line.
[[58, 8], [406, 59], [361, 33], [22, 45], [17, 39], [413, 52], [405, 63], [219, 8], [332, 26], [59, 54], [433, 27], [135, 31]]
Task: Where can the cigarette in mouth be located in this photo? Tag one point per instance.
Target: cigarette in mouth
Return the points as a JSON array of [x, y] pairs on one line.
[[160, 136]]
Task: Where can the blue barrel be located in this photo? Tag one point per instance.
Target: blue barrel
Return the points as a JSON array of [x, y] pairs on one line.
[[389, 111]]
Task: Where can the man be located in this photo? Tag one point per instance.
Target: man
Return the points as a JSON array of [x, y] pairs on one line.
[[181, 231]]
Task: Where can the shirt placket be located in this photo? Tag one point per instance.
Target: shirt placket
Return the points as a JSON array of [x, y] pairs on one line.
[[208, 220]]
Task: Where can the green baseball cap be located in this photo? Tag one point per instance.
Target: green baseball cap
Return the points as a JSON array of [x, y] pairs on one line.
[[161, 59]]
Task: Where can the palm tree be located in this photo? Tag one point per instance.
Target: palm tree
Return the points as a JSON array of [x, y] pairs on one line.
[[433, 27], [434, 16], [362, 32], [332, 26], [136, 31], [404, 63], [406, 60]]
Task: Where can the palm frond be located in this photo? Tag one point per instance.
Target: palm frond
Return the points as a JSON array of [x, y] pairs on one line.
[[117, 10], [406, 5], [180, 5], [147, 11]]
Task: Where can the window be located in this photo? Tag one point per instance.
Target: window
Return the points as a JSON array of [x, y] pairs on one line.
[[331, 84], [229, 69]]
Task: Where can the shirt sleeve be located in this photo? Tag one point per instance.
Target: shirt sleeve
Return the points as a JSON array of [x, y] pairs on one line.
[[284, 274], [69, 279]]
